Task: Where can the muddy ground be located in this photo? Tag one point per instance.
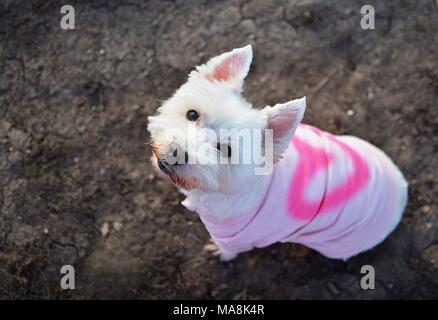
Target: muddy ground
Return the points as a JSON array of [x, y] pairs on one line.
[[76, 185]]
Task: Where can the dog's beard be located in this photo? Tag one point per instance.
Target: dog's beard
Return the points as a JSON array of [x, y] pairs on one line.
[[186, 177], [189, 176], [176, 175]]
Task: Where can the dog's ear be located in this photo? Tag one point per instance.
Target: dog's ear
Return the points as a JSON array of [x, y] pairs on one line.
[[283, 120], [230, 67]]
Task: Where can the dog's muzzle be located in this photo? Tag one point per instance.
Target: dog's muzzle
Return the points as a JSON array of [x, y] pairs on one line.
[[172, 160]]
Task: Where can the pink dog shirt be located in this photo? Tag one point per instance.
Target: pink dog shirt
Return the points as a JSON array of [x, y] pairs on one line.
[[339, 195]]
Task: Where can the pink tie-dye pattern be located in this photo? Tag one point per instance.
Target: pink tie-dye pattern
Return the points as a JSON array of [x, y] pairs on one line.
[[301, 208], [360, 196]]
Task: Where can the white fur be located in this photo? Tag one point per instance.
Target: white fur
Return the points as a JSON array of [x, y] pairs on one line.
[[213, 90]]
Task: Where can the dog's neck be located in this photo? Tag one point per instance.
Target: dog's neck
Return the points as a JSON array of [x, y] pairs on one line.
[[224, 205]]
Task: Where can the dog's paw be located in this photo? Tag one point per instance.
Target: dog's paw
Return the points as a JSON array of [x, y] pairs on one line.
[[227, 256], [212, 249], [223, 255]]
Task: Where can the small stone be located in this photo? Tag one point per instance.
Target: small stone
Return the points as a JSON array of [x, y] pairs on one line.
[[4, 127], [140, 215], [425, 209], [104, 230], [252, 262], [102, 51], [135, 174], [249, 26], [263, 78], [46, 231], [350, 112], [333, 288], [137, 248], [139, 199], [117, 226], [215, 292], [17, 137], [430, 255]]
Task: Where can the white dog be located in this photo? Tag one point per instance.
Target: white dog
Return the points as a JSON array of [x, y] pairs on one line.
[[336, 194]]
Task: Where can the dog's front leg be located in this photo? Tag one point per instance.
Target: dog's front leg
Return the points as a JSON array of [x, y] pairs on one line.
[[215, 250]]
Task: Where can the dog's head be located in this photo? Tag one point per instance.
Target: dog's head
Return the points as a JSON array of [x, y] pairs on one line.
[[192, 140]]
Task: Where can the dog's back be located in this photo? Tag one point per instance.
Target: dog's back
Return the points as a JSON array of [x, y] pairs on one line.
[[339, 195]]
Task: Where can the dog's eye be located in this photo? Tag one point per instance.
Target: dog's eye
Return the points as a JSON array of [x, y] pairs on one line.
[[192, 115], [225, 149]]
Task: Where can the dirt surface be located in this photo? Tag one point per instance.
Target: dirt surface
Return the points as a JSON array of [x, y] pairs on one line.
[[76, 185]]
